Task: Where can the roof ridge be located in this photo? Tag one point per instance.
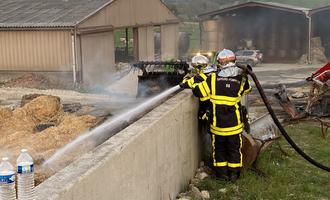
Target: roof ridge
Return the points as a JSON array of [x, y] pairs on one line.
[[66, 13]]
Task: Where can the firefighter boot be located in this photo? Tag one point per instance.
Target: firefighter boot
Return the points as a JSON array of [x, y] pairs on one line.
[[233, 175], [221, 174]]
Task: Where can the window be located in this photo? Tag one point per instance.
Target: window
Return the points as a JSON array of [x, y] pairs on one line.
[[239, 53], [247, 53]]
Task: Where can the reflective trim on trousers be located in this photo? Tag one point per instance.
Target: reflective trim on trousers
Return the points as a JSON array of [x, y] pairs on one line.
[[238, 131], [235, 165], [220, 164], [229, 129]]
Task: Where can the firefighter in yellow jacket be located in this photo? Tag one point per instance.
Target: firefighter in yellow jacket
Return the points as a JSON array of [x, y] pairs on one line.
[[202, 70], [225, 89]]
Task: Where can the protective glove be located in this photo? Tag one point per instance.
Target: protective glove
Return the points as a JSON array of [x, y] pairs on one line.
[[182, 85], [188, 76]]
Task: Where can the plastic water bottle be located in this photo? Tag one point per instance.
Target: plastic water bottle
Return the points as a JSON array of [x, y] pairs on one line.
[[25, 176], [7, 180]]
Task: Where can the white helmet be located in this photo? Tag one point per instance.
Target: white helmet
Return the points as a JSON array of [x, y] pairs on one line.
[[225, 56], [199, 61]]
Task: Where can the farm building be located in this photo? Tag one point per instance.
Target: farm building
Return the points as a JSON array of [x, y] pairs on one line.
[[284, 33], [77, 37]]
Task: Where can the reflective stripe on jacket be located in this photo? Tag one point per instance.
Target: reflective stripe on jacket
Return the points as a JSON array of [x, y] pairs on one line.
[[225, 95], [192, 82]]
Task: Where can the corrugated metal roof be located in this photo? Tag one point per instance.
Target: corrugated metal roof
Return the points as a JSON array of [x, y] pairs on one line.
[[240, 4], [46, 13], [284, 5]]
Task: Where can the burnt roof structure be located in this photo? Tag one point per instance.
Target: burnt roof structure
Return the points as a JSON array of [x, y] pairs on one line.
[[272, 5], [277, 29]]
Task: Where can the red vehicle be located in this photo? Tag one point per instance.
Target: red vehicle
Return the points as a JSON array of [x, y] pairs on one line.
[[321, 76]]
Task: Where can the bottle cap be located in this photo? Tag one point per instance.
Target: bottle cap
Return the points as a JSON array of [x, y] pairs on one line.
[[5, 159], [24, 150]]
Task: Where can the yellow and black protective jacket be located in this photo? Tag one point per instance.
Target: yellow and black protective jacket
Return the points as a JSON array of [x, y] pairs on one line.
[[225, 96], [204, 102], [191, 82]]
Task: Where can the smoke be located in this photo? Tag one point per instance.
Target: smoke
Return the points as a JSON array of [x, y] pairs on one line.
[[123, 83], [151, 85], [98, 135]]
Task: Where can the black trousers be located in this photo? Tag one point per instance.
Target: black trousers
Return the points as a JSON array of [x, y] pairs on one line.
[[227, 152]]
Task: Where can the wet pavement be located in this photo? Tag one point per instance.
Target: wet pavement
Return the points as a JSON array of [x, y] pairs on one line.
[[270, 75], [293, 76]]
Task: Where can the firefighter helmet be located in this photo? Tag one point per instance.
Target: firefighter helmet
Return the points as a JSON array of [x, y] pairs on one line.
[[225, 56], [199, 61]]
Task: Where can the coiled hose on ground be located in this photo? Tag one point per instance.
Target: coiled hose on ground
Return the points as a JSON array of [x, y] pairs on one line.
[[279, 125]]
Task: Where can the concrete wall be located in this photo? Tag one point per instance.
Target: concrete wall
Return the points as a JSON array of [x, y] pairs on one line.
[[152, 159]]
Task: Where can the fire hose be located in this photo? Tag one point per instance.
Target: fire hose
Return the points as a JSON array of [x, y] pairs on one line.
[[279, 125]]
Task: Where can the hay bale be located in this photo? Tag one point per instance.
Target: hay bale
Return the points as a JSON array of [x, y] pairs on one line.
[[317, 53], [57, 136], [303, 59], [43, 108], [17, 129], [29, 97], [5, 113], [318, 56], [316, 42]]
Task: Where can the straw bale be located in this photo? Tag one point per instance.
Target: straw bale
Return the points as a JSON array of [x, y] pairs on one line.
[[29, 97], [43, 108], [17, 129], [57, 136], [317, 56], [316, 42], [5, 113]]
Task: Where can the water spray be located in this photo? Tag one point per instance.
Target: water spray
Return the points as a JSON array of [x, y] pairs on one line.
[[103, 132]]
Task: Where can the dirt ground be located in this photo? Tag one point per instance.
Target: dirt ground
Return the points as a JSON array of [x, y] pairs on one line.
[[41, 126]]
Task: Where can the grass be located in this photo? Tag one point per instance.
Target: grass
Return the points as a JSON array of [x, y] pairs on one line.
[[285, 176]]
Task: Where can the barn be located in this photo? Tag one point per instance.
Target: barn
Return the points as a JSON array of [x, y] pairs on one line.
[[77, 38], [284, 33]]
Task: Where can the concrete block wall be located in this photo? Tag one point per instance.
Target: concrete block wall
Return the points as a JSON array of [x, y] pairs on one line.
[[152, 159]]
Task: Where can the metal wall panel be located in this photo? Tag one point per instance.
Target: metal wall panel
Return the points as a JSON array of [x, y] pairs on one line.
[[98, 57], [128, 13], [146, 43], [211, 29], [35, 51], [169, 41]]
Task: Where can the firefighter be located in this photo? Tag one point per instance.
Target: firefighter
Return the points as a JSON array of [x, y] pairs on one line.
[[202, 70], [225, 89]]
